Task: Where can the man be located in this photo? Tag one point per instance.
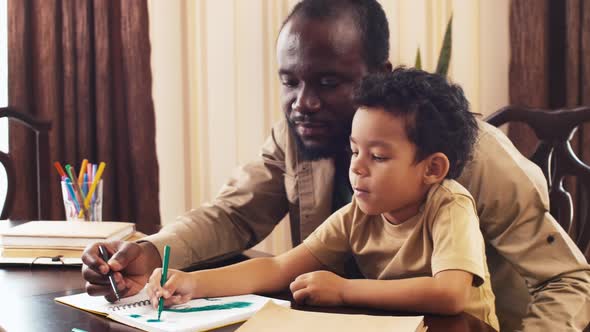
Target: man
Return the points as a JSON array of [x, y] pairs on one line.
[[324, 48]]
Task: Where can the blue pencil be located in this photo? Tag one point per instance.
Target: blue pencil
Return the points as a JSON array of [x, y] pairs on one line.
[[85, 184]]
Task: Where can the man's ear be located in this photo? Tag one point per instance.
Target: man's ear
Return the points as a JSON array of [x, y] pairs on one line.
[[437, 168]]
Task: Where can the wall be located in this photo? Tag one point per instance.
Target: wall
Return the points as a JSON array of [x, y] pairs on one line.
[[216, 88]]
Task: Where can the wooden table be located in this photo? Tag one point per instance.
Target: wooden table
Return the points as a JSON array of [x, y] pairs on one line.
[[27, 294]]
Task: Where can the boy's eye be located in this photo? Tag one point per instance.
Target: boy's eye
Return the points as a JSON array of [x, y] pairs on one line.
[[355, 153], [379, 158]]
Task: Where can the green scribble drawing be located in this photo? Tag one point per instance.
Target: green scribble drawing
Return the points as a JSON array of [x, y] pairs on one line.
[[134, 315], [225, 306], [154, 320]]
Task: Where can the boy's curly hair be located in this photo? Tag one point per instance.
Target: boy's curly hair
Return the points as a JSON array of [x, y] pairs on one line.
[[437, 112]]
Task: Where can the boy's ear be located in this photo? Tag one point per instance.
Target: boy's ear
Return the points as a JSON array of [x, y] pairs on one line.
[[437, 168]]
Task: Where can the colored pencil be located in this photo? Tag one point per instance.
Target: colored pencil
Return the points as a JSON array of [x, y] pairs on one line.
[[93, 186], [82, 171], [60, 170]]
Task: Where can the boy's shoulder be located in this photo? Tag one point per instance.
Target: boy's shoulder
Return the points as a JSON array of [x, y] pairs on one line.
[[449, 192], [452, 187], [448, 201]]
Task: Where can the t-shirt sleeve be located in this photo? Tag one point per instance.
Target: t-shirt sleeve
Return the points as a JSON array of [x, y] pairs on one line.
[[330, 243], [457, 240]]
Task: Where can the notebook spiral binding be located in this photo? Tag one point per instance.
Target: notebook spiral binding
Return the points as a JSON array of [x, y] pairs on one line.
[[129, 305]]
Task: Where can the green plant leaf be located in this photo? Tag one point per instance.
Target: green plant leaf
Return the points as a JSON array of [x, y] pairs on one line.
[[444, 57], [418, 62]]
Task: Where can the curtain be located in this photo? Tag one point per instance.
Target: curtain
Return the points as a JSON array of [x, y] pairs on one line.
[[550, 68], [85, 66]]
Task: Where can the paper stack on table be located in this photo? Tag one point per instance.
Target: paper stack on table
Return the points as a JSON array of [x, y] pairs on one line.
[[64, 241]]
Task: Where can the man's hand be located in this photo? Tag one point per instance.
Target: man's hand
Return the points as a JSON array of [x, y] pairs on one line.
[[131, 263], [319, 288]]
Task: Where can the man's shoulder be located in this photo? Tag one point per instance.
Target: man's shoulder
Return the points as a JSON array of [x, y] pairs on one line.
[[498, 171], [496, 156]]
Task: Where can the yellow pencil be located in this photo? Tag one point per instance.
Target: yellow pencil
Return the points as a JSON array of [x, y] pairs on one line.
[[93, 187], [82, 171]]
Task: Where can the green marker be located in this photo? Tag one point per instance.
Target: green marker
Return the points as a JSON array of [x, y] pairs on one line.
[[164, 277], [78, 330]]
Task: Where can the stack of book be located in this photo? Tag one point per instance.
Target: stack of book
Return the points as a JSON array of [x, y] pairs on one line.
[[62, 241]]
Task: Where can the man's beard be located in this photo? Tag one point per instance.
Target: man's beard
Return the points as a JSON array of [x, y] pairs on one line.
[[335, 146]]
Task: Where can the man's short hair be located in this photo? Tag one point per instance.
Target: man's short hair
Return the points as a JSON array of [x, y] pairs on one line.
[[370, 20], [436, 111]]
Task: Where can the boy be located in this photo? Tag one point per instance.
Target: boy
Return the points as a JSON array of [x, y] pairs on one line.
[[412, 230]]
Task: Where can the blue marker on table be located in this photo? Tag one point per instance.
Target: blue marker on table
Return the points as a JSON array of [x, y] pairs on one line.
[[164, 277]]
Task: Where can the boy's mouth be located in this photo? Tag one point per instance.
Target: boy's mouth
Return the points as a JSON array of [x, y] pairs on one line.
[[360, 192]]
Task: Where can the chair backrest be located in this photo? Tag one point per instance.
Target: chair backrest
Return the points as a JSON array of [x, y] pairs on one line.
[[41, 131], [556, 158]]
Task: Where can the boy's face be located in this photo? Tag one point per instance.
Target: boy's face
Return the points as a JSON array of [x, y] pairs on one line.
[[383, 172]]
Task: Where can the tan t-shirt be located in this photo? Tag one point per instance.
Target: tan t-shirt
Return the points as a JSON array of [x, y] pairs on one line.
[[444, 235]]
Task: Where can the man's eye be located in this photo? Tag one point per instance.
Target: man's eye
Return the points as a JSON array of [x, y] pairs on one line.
[[291, 83], [329, 81]]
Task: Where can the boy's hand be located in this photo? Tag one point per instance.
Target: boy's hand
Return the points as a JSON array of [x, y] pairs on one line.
[[319, 288], [178, 288]]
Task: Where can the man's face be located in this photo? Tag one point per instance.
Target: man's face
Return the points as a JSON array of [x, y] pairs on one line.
[[320, 63]]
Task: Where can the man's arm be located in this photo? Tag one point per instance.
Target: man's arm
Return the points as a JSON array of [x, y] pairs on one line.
[[512, 202], [246, 210]]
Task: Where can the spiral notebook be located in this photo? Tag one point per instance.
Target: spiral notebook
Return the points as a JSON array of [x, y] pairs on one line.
[[195, 315]]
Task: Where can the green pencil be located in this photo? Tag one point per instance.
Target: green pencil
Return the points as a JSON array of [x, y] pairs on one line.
[[164, 277]]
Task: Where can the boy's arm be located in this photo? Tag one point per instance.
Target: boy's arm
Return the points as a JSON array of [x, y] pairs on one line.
[[445, 293], [258, 275]]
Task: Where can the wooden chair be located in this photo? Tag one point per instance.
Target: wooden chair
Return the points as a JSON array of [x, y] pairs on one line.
[[41, 131], [556, 158]]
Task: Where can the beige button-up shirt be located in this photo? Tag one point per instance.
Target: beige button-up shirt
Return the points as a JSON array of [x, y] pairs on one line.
[[512, 203]]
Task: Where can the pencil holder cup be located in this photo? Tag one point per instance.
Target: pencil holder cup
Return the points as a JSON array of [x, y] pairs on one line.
[[74, 197]]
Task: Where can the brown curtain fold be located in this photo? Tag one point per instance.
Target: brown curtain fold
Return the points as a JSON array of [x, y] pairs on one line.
[[550, 68], [85, 66]]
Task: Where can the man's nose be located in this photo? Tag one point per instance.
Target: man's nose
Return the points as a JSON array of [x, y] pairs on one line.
[[307, 101]]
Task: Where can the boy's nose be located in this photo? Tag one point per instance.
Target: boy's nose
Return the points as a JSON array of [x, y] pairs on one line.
[[356, 167]]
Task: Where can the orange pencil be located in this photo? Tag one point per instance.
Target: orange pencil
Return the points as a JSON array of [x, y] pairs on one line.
[[59, 169]]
